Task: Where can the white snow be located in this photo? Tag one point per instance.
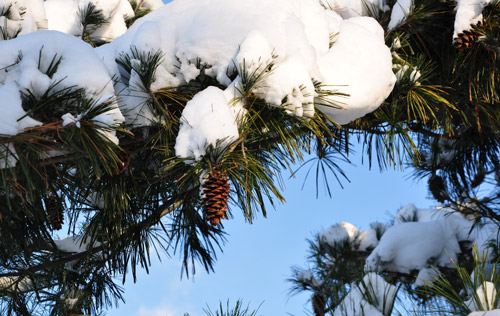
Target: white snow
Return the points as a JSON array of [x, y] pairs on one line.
[[74, 244], [426, 277], [339, 233], [24, 63], [365, 72], [8, 156], [26, 16], [206, 120], [353, 8], [372, 296], [367, 239], [494, 312], [486, 298], [69, 118], [292, 34], [400, 11], [423, 237], [406, 71], [413, 246], [150, 4], [63, 15], [14, 284], [468, 13], [307, 276]]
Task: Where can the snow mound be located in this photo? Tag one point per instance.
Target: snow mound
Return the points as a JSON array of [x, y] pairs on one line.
[[469, 12], [65, 16], [420, 238], [25, 16], [339, 233], [43, 62], [206, 120], [360, 65], [287, 41], [412, 246], [353, 8], [372, 296]]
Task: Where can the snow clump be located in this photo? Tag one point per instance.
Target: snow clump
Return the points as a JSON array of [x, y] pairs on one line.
[[469, 12], [18, 17], [65, 16], [381, 294], [421, 238], [206, 120], [24, 68]]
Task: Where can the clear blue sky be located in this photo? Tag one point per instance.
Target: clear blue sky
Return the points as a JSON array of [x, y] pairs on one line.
[[257, 258]]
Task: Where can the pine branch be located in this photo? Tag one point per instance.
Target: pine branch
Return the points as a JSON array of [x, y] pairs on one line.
[[145, 224]]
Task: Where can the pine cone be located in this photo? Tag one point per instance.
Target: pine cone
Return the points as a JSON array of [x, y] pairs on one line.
[[468, 38], [55, 212], [214, 196], [318, 304], [437, 186]]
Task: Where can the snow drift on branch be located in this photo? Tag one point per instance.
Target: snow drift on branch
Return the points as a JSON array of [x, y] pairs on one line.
[[40, 61]]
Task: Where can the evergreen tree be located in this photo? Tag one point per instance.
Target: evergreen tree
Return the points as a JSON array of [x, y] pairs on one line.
[[151, 140]]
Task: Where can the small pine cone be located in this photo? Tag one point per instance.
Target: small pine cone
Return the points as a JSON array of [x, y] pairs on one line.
[[318, 304], [214, 196], [437, 186], [55, 212], [468, 37]]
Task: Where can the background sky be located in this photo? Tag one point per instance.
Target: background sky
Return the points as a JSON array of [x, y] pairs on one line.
[[257, 258]]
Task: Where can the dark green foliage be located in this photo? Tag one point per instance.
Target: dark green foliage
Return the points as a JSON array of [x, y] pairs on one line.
[[91, 19]]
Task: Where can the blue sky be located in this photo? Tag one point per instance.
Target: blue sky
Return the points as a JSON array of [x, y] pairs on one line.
[[257, 258]]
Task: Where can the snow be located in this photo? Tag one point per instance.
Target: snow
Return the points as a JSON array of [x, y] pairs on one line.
[[8, 156], [420, 238], [367, 239], [426, 277], [362, 240], [69, 118], [400, 11], [308, 277], [468, 13], [413, 246], [495, 312], [206, 120], [353, 8], [63, 15], [485, 298], [74, 244], [26, 16], [150, 4], [24, 65], [372, 296], [365, 73], [293, 35], [14, 284], [339, 233], [406, 71]]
